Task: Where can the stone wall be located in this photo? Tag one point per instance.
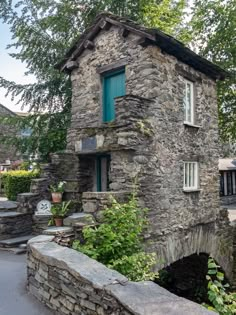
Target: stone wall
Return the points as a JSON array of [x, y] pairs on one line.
[[227, 200], [155, 151], [13, 224], [71, 283]]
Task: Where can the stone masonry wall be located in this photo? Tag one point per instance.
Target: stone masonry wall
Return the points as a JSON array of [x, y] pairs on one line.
[[13, 224], [157, 159], [71, 283]]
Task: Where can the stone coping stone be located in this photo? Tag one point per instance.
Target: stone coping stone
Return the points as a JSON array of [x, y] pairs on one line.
[[140, 298], [10, 214], [57, 230], [16, 240], [40, 239], [76, 263], [28, 194], [146, 297], [79, 217], [8, 205], [103, 195]]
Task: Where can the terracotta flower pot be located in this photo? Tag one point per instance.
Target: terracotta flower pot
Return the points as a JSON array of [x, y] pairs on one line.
[[58, 221], [57, 197]]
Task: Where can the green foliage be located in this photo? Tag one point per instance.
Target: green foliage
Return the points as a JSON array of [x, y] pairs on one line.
[[48, 133], [118, 241], [60, 210], [213, 27], [16, 182], [169, 16], [59, 187], [222, 301]]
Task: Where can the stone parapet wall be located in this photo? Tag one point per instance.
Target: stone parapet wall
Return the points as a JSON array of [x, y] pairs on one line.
[[71, 283], [97, 201]]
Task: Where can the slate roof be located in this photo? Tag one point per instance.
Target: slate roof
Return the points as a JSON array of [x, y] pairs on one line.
[[154, 36], [227, 164], [6, 111]]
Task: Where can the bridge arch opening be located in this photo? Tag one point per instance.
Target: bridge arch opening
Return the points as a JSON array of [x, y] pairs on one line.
[[187, 277]]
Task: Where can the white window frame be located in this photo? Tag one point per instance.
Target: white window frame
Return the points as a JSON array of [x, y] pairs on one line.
[[191, 176], [191, 105]]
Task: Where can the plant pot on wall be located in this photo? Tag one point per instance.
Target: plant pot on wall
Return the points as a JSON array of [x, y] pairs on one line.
[[58, 221], [56, 197], [57, 191]]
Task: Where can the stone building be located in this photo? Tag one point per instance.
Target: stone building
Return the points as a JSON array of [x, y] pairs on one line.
[[144, 109]]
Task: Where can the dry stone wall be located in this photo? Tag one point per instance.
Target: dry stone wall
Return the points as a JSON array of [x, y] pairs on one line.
[[71, 283]]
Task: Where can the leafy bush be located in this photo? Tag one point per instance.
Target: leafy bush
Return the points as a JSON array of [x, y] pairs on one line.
[[16, 182], [118, 241], [222, 301]]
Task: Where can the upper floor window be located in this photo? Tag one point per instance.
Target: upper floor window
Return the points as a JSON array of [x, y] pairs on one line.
[[113, 86], [189, 102], [191, 175]]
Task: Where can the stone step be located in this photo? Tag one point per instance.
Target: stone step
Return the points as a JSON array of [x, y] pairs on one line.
[[7, 205], [10, 214], [75, 218], [54, 230], [13, 242]]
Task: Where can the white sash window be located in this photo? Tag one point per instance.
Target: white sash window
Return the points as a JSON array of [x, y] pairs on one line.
[[191, 175], [189, 103]]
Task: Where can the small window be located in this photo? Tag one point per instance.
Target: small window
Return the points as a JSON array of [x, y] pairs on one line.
[[191, 175], [188, 103]]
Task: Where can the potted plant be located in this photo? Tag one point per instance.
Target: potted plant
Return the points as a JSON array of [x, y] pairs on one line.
[[59, 212], [57, 191]]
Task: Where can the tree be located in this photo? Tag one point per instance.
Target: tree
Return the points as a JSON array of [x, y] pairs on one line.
[[42, 31], [214, 30]]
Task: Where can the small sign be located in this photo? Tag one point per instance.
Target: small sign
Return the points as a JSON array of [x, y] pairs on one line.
[[89, 144], [44, 208]]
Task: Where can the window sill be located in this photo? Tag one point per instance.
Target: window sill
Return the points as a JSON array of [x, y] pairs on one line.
[[187, 124], [191, 190]]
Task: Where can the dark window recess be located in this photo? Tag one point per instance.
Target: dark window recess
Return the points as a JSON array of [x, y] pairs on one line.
[[227, 183], [222, 186], [102, 172]]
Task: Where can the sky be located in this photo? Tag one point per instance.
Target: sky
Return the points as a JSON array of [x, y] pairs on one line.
[[10, 69]]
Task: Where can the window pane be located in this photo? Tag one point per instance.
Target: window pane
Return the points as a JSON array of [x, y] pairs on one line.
[[193, 174], [229, 183], [185, 175], [190, 174], [188, 101]]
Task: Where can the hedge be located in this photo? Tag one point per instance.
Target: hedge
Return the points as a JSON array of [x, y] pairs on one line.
[[16, 182]]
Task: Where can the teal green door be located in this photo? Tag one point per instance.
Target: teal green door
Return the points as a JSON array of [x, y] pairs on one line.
[[113, 86]]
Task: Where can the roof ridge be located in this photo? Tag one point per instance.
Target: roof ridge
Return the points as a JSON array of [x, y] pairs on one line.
[[166, 42]]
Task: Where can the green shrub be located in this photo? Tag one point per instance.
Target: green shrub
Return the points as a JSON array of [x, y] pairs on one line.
[[16, 182], [222, 301], [118, 241]]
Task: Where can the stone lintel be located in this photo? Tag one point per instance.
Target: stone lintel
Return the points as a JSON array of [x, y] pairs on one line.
[[113, 66]]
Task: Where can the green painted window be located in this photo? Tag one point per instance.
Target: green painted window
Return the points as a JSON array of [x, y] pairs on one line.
[[113, 86]]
